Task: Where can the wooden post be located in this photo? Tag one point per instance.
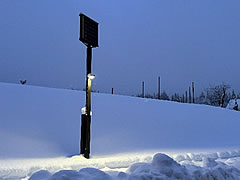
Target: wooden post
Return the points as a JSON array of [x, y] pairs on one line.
[[193, 92], [190, 98], [159, 92], [186, 97], [112, 90], [143, 89]]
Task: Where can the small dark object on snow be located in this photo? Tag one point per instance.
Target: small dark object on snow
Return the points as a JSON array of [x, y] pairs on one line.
[[235, 106], [23, 81]]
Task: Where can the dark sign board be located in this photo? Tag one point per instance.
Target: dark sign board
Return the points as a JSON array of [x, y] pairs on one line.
[[88, 31]]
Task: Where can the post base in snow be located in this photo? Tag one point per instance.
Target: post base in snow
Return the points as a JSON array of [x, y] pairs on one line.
[[86, 155], [83, 134]]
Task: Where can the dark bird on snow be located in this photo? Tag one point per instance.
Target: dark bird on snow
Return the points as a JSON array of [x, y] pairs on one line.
[[23, 81]]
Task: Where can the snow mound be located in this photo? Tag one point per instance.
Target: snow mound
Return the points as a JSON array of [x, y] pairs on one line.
[[85, 173], [231, 104], [208, 162], [41, 175], [162, 167], [198, 157]]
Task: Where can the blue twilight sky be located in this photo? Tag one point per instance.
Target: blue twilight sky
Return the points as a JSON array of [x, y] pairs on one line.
[[180, 40]]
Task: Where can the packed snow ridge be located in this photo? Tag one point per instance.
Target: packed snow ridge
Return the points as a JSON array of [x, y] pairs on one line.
[[162, 167]]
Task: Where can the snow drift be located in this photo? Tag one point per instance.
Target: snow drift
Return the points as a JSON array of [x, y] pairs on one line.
[[162, 167]]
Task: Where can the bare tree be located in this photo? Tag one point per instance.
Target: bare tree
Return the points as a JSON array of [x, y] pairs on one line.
[[217, 95], [202, 98]]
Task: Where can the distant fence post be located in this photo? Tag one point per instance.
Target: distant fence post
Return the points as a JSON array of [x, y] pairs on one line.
[[193, 92], [159, 93], [186, 97], [143, 89], [190, 95], [112, 90]]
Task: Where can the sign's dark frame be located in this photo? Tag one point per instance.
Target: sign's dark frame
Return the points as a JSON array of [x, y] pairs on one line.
[[88, 31]]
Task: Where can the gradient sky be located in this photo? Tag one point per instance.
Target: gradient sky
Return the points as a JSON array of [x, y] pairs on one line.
[[180, 40]]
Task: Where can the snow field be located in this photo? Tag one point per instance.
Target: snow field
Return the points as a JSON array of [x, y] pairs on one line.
[[44, 122], [40, 133]]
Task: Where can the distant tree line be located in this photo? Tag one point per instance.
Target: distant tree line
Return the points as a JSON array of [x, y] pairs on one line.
[[215, 95], [218, 95]]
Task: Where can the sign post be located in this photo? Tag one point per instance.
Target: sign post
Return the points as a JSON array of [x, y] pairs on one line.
[[89, 36]]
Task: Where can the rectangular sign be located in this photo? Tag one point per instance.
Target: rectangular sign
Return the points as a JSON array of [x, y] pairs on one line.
[[88, 31]]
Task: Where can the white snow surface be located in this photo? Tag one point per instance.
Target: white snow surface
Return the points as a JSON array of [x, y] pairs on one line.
[[126, 166], [40, 132]]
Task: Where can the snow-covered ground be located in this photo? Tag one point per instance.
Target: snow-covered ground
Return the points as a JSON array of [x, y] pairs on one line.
[[40, 129], [142, 165]]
